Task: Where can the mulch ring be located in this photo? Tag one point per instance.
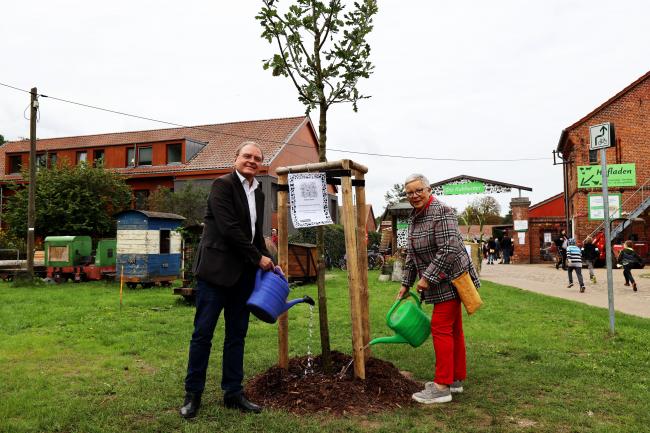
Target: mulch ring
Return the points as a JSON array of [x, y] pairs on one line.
[[385, 388]]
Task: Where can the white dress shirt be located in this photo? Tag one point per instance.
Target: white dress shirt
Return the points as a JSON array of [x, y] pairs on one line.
[[250, 196]]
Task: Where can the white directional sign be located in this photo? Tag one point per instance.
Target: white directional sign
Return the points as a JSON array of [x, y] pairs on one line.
[[601, 136]]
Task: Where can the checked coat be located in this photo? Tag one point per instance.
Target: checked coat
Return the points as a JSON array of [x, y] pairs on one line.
[[436, 252]]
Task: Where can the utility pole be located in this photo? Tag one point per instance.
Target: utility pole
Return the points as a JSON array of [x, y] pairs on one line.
[[31, 206]]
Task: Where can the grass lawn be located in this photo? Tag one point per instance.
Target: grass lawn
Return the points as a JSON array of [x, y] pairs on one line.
[[72, 361]]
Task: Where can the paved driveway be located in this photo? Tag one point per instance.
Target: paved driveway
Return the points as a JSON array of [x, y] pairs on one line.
[[546, 279]]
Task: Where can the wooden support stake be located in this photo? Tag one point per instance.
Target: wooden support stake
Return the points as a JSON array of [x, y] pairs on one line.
[[283, 261], [354, 279], [362, 243]]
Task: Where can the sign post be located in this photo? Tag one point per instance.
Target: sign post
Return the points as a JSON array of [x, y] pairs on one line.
[[601, 137]]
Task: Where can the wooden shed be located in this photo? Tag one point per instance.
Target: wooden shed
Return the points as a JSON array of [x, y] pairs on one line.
[[302, 262], [148, 247]]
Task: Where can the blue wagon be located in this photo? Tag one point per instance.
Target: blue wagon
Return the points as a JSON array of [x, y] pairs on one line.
[[148, 247]]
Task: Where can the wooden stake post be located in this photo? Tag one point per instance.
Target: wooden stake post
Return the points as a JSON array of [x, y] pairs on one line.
[[283, 261], [355, 246]]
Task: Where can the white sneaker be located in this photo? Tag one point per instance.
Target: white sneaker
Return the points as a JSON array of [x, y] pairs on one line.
[[432, 394], [456, 387]]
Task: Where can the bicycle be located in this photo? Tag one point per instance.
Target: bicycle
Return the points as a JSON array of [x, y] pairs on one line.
[[375, 261]]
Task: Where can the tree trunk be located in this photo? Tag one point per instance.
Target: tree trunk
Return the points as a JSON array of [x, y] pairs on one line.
[[320, 248]]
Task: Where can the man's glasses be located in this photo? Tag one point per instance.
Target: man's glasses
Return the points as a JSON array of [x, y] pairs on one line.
[[418, 192]]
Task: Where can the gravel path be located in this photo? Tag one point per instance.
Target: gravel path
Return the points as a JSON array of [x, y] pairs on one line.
[[546, 279]]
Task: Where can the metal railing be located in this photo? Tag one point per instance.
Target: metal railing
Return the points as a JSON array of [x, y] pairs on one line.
[[644, 190]]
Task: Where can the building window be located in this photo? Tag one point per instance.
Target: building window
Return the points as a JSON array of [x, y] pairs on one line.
[[82, 156], [52, 160], [164, 241], [141, 196], [274, 197], [15, 163], [174, 153], [41, 161], [144, 156], [130, 157], [98, 157], [593, 156]]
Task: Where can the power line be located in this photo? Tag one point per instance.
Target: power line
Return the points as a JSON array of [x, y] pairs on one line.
[[439, 159], [198, 128]]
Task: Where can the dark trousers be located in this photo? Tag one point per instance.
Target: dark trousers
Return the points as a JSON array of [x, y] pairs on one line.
[[578, 274], [210, 300], [561, 261], [506, 255], [627, 273]]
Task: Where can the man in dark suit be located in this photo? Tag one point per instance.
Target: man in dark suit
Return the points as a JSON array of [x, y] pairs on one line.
[[231, 250]]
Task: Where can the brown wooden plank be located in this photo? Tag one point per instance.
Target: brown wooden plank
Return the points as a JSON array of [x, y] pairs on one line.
[[283, 260], [354, 280], [362, 214]]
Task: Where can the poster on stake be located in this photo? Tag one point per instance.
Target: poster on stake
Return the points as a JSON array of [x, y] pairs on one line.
[[308, 199]]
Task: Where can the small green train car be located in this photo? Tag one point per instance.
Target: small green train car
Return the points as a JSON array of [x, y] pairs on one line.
[[67, 250], [71, 257], [106, 253]]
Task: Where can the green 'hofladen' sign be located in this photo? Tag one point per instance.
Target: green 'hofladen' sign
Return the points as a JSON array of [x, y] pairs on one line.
[[590, 176], [463, 188]]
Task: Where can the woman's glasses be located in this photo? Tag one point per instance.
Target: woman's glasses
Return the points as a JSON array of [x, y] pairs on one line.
[[418, 192]]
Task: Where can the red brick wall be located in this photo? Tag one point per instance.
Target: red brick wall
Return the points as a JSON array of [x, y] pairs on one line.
[[630, 115], [522, 252], [302, 149], [536, 229]]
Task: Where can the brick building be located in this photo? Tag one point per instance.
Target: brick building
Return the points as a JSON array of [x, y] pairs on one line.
[[629, 112], [545, 221], [174, 156]]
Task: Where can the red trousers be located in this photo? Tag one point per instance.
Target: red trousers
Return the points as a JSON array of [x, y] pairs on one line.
[[448, 342]]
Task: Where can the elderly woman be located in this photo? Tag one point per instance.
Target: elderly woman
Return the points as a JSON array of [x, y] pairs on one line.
[[436, 255]]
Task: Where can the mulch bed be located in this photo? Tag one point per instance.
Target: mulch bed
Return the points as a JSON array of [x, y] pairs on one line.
[[385, 388]]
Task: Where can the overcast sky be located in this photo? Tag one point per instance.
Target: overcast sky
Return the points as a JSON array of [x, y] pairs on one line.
[[461, 79]]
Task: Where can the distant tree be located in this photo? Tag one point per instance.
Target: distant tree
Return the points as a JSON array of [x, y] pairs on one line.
[[489, 209], [2, 140], [508, 218], [481, 211], [189, 202], [70, 200], [395, 195]]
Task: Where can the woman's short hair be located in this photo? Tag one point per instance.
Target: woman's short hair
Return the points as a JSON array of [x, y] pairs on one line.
[[417, 176], [629, 243]]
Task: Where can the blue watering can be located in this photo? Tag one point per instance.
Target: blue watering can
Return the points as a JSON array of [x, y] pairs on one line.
[[409, 322], [269, 297]]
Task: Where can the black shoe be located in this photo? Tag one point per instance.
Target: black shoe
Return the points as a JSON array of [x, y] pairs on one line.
[[634, 286], [238, 401], [191, 405]]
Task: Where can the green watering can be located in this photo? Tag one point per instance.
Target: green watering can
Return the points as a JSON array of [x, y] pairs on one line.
[[409, 322]]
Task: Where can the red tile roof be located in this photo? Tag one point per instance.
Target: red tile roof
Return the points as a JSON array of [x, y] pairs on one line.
[[221, 141]]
